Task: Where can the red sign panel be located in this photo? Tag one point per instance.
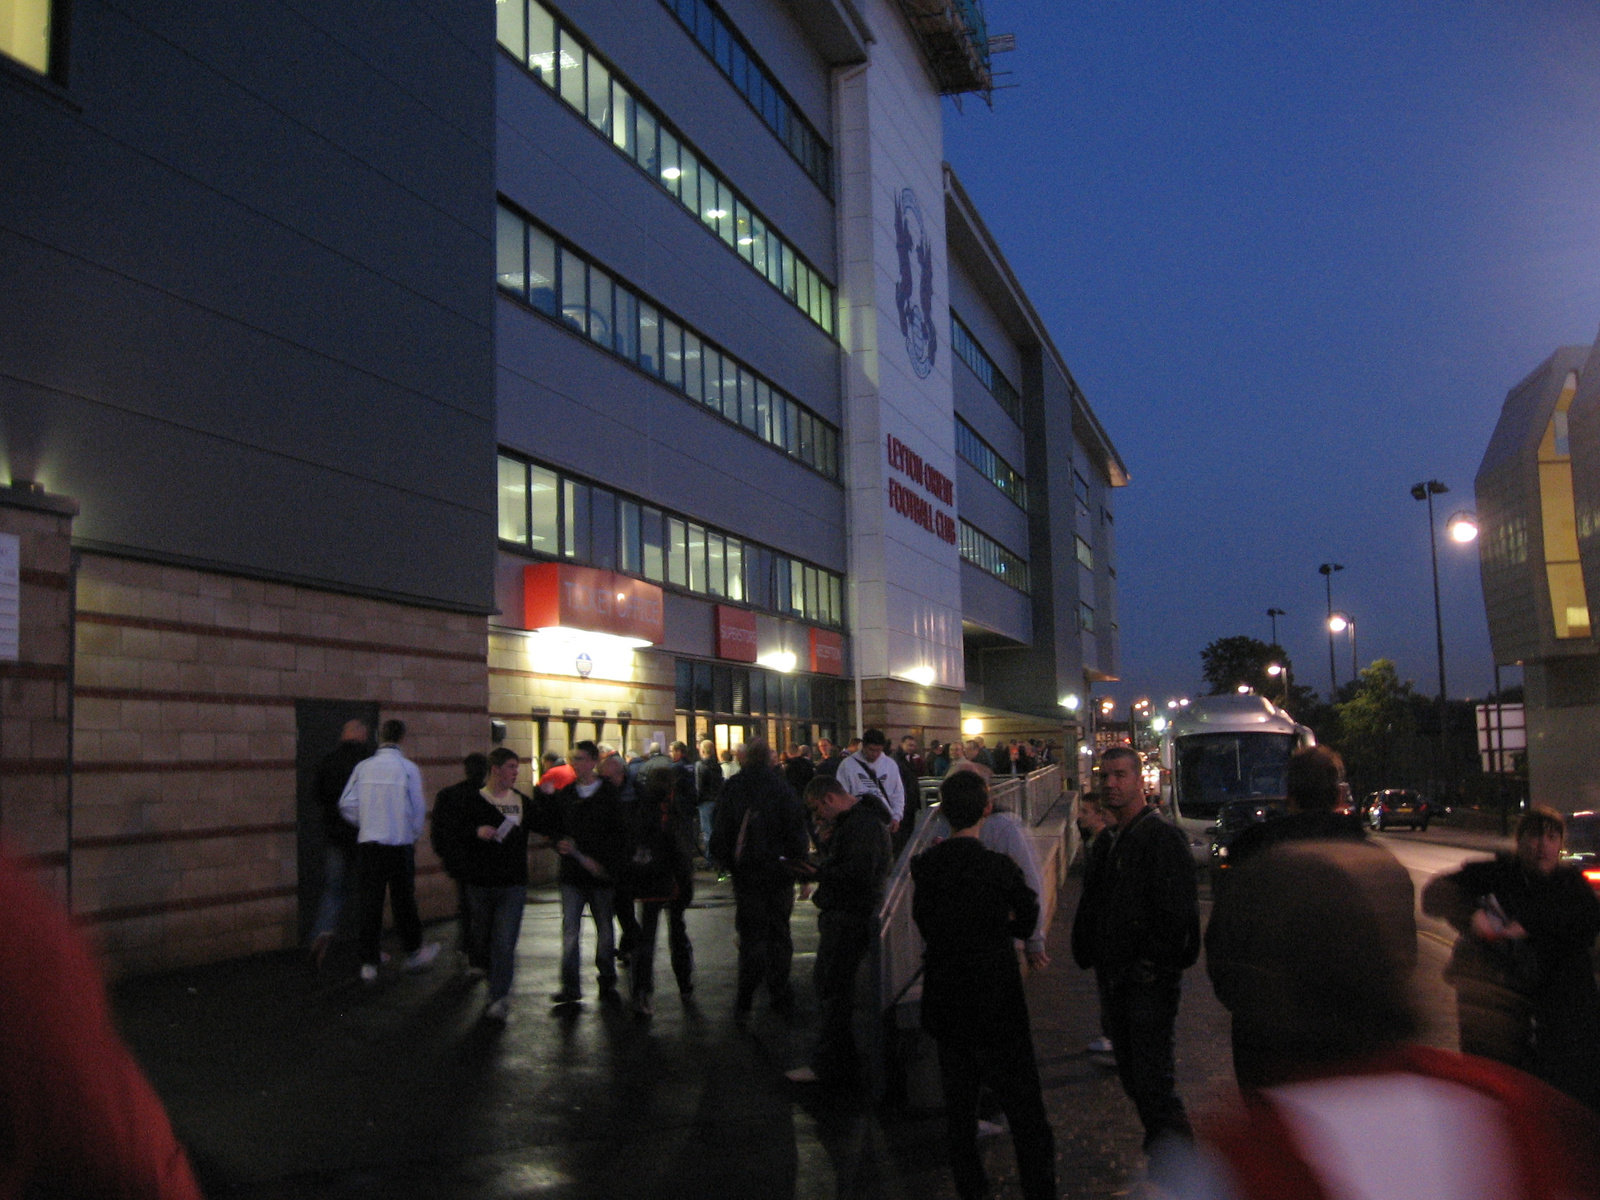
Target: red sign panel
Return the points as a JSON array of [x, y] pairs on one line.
[[736, 634], [572, 597], [827, 652]]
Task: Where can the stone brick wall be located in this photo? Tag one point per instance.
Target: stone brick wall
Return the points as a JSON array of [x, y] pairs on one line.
[[184, 841], [35, 691]]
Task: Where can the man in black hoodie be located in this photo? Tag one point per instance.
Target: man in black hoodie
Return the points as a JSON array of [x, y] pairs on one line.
[[333, 772], [759, 830], [449, 836], [970, 903], [585, 821], [854, 836]]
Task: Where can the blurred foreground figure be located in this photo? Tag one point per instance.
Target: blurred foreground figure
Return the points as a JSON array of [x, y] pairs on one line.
[[1322, 949], [1525, 988], [77, 1117]]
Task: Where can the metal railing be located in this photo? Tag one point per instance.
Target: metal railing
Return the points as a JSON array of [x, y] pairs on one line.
[[899, 956]]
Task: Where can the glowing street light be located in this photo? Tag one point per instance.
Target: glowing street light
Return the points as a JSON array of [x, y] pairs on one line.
[[1338, 623], [1463, 527]]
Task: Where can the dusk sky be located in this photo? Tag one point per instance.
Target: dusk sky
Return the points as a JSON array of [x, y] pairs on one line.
[[1295, 255]]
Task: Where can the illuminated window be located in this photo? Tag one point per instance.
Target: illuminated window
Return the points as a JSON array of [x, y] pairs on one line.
[[25, 32], [1569, 603], [536, 268], [543, 45]]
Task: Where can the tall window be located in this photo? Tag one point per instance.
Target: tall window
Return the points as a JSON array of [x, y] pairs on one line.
[[990, 465], [1569, 603], [25, 28]]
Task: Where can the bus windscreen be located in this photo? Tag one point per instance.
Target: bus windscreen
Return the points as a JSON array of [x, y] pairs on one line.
[[1214, 768]]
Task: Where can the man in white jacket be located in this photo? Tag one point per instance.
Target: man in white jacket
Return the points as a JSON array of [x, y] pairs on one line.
[[869, 772], [383, 800]]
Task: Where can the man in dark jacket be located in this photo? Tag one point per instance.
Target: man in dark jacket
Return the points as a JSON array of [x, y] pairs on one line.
[[854, 836], [909, 761], [970, 903], [333, 772], [660, 875], [707, 787], [1141, 931], [585, 821], [760, 830], [828, 758], [449, 834], [798, 769], [492, 848], [1312, 787]]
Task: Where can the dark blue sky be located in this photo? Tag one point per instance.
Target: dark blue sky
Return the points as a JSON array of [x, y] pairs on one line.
[[1295, 255]]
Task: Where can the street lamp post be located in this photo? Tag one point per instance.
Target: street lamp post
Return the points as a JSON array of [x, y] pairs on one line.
[[1326, 570], [1272, 615], [1426, 492]]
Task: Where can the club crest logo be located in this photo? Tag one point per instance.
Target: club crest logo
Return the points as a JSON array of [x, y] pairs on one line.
[[913, 295]]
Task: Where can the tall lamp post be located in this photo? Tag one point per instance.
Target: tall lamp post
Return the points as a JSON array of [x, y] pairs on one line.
[[1463, 528], [1326, 570], [1272, 615]]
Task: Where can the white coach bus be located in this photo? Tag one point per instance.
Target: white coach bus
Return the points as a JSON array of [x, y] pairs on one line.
[[1222, 748]]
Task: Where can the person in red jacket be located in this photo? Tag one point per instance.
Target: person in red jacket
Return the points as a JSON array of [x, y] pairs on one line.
[[77, 1116]]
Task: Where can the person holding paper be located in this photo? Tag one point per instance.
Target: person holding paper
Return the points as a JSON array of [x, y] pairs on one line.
[[494, 866]]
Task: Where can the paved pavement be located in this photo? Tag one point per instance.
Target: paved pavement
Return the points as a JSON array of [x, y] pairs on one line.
[[286, 1083]]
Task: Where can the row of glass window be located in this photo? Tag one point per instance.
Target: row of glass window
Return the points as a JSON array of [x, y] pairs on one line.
[[753, 692], [558, 281], [983, 552], [990, 465], [1086, 617], [556, 57], [709, 26], [970, 351], [562, 517]]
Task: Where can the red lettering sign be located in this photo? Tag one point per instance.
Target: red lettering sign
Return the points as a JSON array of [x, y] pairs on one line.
[[736, 633], [912, 505], [561, 595], [827, 652]]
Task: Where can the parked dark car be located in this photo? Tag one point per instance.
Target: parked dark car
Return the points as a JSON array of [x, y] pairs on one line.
[[1397, 806], [1233, 819], [1583, 845]]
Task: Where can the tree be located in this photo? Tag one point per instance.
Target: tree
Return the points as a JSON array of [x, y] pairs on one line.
[[1377, 728], [1228, 662]]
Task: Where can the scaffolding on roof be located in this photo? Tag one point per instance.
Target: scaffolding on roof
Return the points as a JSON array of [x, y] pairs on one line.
[[955, 41]]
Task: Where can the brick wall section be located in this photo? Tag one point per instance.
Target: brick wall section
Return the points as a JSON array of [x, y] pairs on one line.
[[35, 691], [184, 845]]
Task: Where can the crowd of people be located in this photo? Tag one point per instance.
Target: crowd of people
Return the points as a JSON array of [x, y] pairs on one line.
[[1311, 943]]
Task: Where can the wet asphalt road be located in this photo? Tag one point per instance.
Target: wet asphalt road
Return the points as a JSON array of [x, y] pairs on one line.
[[288, 1083]]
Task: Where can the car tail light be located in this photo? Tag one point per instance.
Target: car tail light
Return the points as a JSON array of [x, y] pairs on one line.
[[1592, 874]]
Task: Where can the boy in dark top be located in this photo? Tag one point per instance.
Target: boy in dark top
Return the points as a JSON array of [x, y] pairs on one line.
[[970, 905], [493, 864], [585, 821], [854, 837]]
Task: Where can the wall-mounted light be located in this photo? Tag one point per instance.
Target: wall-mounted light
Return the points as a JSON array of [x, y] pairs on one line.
[[923, 676], [1070, 702], [972, 726], [778, 660]]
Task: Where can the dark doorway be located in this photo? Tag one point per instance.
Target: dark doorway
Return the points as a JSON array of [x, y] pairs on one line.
[[317, 725]]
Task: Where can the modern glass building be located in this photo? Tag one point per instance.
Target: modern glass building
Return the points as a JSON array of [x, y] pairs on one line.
[[527, 370], [1538, 495]]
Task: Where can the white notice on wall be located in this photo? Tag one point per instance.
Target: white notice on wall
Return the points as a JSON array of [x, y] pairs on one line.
[[10, 595]]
